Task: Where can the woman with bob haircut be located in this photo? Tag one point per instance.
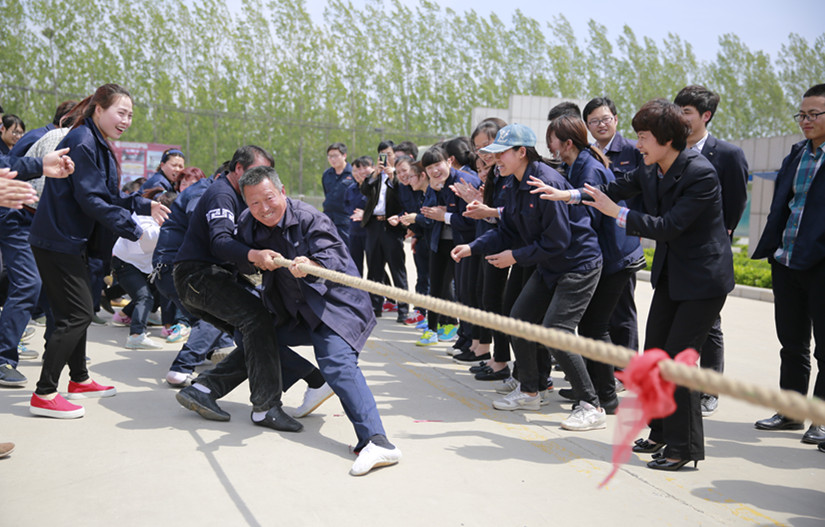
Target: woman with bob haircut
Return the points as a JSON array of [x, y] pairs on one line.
[[692, 266]]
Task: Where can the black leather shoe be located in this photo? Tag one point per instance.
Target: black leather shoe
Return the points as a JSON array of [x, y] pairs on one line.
[[277, 419], [779, 422], [500, 375], [481, 367], [567, 393], [645, 446], [205, 404], [661, 463], [814, 435], [821, 447]]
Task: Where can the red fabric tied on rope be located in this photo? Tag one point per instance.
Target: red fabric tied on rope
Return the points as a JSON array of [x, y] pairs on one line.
[[651, 398]]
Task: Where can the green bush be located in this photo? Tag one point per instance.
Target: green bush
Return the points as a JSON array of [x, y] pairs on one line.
[[756, 273]]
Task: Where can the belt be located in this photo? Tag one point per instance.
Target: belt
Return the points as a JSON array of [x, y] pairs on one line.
[[380, 218]]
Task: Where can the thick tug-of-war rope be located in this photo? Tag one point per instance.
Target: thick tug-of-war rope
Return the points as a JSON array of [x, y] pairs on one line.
[[790, 404]]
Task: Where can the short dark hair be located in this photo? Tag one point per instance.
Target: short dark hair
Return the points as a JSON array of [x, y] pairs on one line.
[[62, 109], [407, 147], [257, 175], [814, 91], [488, 127], [341, 147], [564, 108], [596, 103], [363, 161], [699, 97], [434, 155], [665, 121], [10, 120], [383, 145], [246, 155], [462, 150]]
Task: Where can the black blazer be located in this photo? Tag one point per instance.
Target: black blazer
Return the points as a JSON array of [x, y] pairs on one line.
[[683, 213], [809, 249], [371, 189], [732, 169]]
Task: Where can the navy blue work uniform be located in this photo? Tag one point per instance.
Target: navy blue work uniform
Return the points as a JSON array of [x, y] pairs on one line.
[[335, 319], [335, 189], [78, 217]]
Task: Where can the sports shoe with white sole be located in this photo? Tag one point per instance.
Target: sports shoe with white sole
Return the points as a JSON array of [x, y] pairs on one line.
[[373, 456], [518, 400], [313, 398], [91, 389], [585, 416], [58, 408], [142, 342], [507, 386]]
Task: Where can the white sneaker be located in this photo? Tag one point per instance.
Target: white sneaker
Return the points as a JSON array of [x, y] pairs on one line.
[[154, 319], [373, 456], [313, 398], [507, 386], [585, 417], [518, 400], [545, 397], [178, 379], [142, 342]]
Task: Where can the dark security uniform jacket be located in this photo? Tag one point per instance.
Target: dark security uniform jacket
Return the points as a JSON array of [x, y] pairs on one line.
[[683, 213], [304, 231], [809, 249]]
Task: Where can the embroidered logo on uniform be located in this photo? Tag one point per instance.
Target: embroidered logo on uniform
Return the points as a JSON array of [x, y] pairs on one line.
[[624, 163], [219, 214]]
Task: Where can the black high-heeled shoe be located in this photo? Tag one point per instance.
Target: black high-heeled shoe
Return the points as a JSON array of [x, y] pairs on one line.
[[661, 463], [644, 446]]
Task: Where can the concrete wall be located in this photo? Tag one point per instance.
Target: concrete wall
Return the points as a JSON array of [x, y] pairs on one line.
[[530, 110]]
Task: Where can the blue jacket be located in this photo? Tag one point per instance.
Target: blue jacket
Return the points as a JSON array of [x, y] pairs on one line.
[[623, 155], [551, 235], [683, 213], [303, 231], [86, 211], [26, 167], [809, 249], [174, 228], [158, 179], [22, 146], [335, 188], [210, 236], [355, 200], [463, 228], [618, 249]]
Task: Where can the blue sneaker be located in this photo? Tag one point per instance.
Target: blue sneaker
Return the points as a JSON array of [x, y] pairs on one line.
[[25, 353], [429, 338], [448, 332], [422, 325]]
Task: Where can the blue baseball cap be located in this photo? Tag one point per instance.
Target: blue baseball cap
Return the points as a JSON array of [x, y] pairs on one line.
[[511, 136]]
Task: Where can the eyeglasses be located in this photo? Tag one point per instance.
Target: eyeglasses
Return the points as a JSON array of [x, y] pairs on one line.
[[806, 116], [20, 133], [603, 120]]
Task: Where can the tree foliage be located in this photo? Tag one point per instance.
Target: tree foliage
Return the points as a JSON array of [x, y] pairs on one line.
[[210, 78]]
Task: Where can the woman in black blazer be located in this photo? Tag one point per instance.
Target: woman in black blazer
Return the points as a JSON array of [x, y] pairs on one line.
[[692, 266]]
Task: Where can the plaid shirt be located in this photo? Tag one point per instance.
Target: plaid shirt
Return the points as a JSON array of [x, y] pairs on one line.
[[808, 166]]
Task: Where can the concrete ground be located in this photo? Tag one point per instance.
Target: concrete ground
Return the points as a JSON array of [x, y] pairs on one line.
[[140, 459]]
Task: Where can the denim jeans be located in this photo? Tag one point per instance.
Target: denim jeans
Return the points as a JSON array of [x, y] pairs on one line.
[[136, 283], [215, 294], [24, 281], [560, 307]]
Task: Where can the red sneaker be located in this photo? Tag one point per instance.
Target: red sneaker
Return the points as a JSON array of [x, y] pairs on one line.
[[414, 318], [93, 389], [58, 407], [389, 307]]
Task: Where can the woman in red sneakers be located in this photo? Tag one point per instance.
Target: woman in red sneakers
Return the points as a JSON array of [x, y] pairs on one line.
[[79, 217]]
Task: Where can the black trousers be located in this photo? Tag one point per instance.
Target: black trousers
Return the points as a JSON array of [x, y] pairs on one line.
[[385, 246], [624, 324], [69, 291], [492, 300], [675, 326], [213, 293], [442, 271], [799, 308]]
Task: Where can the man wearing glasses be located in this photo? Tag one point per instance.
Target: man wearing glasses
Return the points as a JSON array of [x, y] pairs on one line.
[[794, 243], [336, 180]]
